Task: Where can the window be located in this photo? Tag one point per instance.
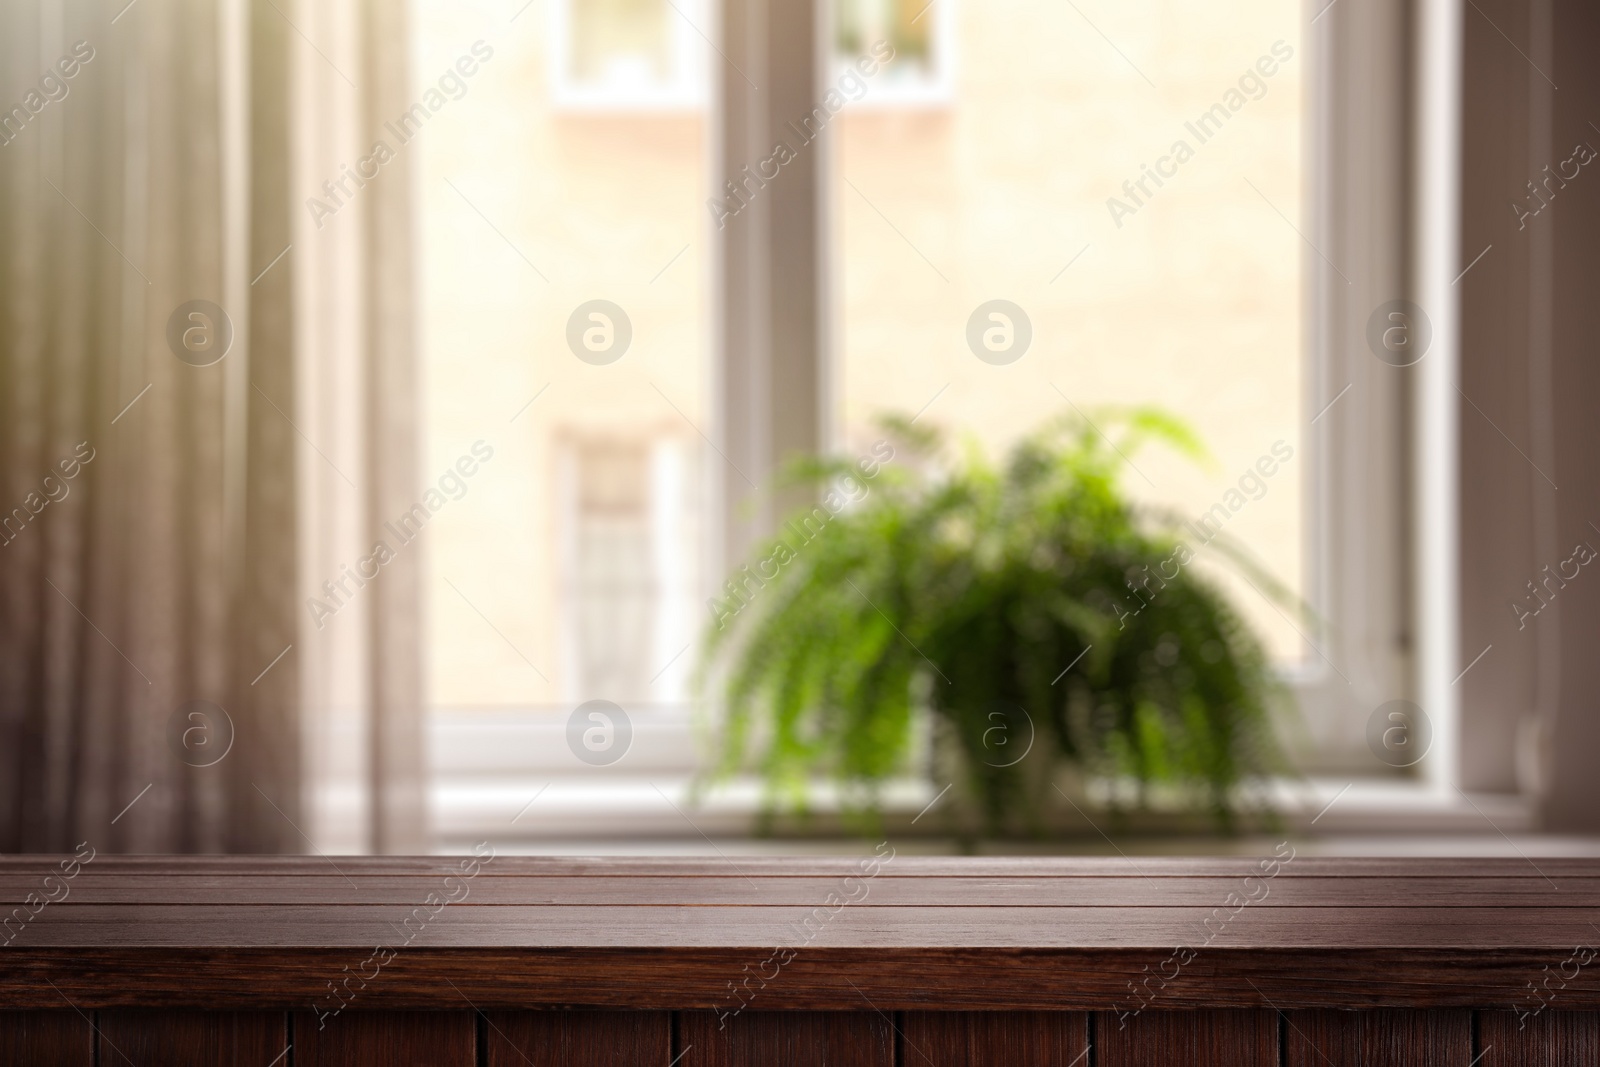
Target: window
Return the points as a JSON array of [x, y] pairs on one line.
[[1183, 290], [564, 326], [630, 520], [626, 54], [922, 35], [1166, 197]]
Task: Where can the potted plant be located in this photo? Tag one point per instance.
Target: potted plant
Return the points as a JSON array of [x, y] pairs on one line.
[[1033, 604]]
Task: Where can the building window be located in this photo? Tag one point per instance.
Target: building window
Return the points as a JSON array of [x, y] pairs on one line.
[[922, 35], [624, 55], [629, 518]]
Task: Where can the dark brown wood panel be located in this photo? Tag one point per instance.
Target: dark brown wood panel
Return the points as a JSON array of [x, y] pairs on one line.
[[1550, 1038], [386, 1039], [60, 1038], [1383, 1038], [1192, 1038], [1041, 934], [578, 1038], [977, 1039], [787, 1039], [666, 979], [193, 1038]]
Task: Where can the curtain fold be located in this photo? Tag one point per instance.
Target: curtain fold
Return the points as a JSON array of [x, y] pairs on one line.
[[159, 417], [148, 520], [395, 716], [354, 246]]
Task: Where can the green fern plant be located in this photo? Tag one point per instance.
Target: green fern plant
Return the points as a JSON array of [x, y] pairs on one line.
[[969, 590]]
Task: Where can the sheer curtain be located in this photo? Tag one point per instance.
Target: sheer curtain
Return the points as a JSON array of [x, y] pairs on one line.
[[174, 343], [151, 497], [360, 607]]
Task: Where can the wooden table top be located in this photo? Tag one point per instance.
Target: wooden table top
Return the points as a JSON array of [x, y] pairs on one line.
[[502, 931]]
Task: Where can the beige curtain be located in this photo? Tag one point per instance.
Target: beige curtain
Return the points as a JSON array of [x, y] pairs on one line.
[[395, 778], [154, 578], [155, 569], [362, 666]]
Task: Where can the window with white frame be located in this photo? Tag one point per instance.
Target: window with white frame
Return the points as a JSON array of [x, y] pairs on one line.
[[565, 310], [1049, 175], [627, 54], [629, 517], [922, 37]]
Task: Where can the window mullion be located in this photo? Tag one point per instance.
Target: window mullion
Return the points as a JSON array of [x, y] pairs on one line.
[[766, 214]]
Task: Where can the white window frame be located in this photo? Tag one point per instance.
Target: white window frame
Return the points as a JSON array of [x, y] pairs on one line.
[[773, 387], [688, 91], [1382, 514]]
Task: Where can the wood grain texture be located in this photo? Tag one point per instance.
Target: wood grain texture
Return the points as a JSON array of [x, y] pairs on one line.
[[1549, 1039], [886, 890], [815, 980], [1156, 868], [61, 1038], [787, 1039], [976, 1039], [193, 1038], [392, 1039], [359, 927], [578, 1038], [1385, 1038], [1051, 934], [1192, 1038]]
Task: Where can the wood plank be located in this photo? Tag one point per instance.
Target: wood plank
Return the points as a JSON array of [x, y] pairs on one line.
[[578, 1038], [1552, 1038], [907, 979], [394, 1039], [60, 1038], [977, 1039], [1155, 868], [193, 1038], [1192, 1038], [647, 935], [884, 890], [786, 1039], [1382, 1038], [657, 926]]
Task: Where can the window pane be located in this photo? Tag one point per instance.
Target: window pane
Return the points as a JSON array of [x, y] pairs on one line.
[[1130, 177], [564, 326]]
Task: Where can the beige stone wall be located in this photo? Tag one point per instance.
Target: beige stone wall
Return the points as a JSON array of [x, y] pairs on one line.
[[1193, 303]]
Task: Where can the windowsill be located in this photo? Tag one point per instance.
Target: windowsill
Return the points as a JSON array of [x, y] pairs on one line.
[[627, 808], [509, 778]]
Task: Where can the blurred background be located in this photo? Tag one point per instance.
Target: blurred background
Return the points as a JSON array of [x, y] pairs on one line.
[[391, 390]]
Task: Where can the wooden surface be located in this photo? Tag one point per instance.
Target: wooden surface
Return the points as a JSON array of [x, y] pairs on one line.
[[1388, 1038], [1194, 1038], [1548, 1039], [788, 1039], [188, 1038], [437, 1039], [977, 1038], [62, 1037], [577, 1038], [668, 934], [257, 962]]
